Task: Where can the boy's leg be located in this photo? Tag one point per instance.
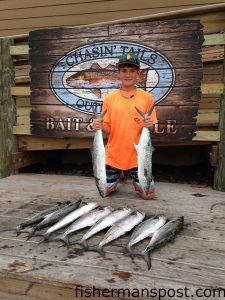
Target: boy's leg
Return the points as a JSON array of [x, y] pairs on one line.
[[134, 175], [113, 176]]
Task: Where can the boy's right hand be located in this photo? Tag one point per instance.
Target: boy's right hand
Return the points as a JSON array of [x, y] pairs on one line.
[[97, 124]]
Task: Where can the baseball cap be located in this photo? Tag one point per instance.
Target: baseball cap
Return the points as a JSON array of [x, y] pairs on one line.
[[129, 59]]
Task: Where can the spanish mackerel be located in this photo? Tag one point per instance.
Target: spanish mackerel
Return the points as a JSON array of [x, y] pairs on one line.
[[161, 236], [54, 217], [71, 217], [144, 230], [86, 220], [38, 217], [144, 150], [119, 229], [98, 158], [108, 221]]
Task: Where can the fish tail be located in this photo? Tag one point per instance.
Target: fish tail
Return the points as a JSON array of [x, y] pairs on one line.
[[126, 250], [94, 109], [148, 260], [84, 244], [46, 236], [31, 233], [97, 248], [61, 237], [81, 243], [145, 255], [140, 112], [148, 112]]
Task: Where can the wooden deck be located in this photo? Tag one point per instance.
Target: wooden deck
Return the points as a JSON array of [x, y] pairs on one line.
[[29, 270]]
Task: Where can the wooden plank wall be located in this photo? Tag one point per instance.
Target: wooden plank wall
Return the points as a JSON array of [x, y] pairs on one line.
[[17, 17], [208, 114], [52, 112]]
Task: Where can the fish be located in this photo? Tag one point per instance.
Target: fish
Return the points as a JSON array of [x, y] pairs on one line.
[[118, 229], [96, 78], [71, 217], [86, 220], [98, 159], [144, 151], [162, 236], [108, 221], [144, 230], [38, 217], [54, 217]]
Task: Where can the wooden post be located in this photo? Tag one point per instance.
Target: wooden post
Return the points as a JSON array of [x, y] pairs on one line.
[[8, 142], [219, 178]]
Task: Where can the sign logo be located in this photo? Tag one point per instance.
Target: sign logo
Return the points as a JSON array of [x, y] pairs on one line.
[[85, 75]]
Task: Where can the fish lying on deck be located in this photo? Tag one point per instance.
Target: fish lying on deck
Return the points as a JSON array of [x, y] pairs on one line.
[[144, 230], [108, 221], [119, 229], [38, 217], [144, 151], [87, 220], [69, 218], [162, 236], [54, 217], [98, 159]]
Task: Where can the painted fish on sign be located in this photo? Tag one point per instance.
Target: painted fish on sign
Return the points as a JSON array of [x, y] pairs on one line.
[[85, 75], [74, 68]]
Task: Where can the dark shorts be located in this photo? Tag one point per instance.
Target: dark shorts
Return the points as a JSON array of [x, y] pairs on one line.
[[115, 175]]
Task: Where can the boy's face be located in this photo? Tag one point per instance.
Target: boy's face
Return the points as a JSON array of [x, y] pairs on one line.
[[128, 76]]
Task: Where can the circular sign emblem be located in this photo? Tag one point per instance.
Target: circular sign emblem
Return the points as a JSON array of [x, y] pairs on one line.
[[87, 74]]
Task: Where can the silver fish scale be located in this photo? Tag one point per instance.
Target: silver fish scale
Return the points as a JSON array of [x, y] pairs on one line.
[[121, 227], [72, 217], [166, 231], [60, 213], [107, 222], [146, 229], [98, 157], [89, 219], [144, 150]]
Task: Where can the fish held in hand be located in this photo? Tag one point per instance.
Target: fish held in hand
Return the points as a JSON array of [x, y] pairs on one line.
[[144, 151], [98, 159]]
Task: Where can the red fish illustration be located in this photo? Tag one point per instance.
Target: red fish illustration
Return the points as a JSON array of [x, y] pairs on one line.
[[96, 78]]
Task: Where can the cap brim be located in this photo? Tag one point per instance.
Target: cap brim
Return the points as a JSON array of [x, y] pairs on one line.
[[128, 63]]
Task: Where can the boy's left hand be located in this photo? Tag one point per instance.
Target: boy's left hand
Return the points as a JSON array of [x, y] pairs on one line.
[[148, 122]]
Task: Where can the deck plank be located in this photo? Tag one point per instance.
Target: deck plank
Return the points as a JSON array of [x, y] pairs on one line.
[[195, 259]]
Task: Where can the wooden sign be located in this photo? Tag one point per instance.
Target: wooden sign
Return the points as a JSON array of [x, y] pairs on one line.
[[73, 69]]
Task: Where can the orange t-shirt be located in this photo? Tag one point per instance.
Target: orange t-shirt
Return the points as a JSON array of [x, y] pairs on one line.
[[125, 126]]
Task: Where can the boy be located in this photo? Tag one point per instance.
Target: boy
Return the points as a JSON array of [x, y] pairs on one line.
[[124, 125]]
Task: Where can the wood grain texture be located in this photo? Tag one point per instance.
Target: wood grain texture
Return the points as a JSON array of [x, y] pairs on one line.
[[179, 41], [31, 271], [50, 14], [219, 179], [8, 142]]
